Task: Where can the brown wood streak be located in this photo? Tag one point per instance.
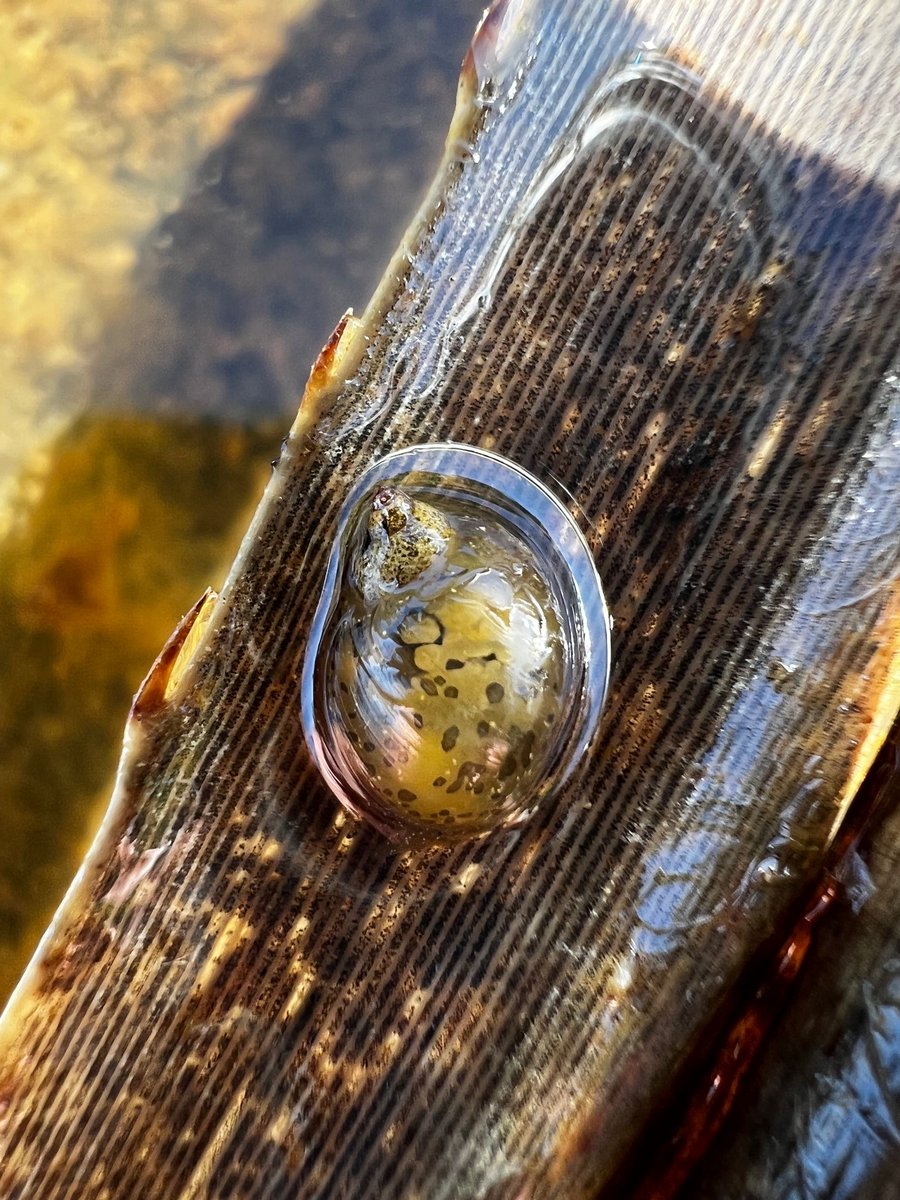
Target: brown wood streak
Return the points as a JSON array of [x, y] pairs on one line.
[[707, 1112], [713, 1097]]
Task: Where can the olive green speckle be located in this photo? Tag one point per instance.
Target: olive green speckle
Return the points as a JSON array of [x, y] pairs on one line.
[[448, 741]]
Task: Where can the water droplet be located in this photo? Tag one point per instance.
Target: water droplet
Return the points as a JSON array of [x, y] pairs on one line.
[[450, 560]]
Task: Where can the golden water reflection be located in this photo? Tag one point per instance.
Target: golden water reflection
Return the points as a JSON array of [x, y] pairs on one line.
[[135, 516]]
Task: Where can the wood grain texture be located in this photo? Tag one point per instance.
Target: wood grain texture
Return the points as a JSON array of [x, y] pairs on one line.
[[686, 327]]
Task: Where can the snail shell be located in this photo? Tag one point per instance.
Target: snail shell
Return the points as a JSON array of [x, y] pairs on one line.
[[459, 656]]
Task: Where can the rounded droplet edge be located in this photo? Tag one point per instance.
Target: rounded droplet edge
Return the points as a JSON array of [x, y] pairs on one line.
[[483, 466]]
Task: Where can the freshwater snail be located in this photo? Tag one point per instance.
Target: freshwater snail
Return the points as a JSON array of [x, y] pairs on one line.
[[459, 656]]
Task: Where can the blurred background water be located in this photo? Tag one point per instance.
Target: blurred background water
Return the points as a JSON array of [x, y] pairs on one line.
[[191, 195]]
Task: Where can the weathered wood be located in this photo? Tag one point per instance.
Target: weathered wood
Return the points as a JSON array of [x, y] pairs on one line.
[[686, 326]]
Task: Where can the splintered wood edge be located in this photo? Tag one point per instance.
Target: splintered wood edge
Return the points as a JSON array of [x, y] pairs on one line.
[[155, 694], [340, 357]]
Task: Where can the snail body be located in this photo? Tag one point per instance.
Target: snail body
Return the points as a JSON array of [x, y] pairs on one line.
[[445, 678]]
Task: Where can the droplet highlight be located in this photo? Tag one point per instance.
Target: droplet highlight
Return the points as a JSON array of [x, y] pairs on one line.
[[459, 657]]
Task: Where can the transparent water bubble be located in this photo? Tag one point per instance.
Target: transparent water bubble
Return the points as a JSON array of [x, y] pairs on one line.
[[459, 657]]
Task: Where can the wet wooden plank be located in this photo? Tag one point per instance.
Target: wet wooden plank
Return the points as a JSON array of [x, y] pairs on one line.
[[687, 327]]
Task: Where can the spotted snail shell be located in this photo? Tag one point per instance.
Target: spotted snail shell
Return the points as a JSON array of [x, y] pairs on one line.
[[458, 660]]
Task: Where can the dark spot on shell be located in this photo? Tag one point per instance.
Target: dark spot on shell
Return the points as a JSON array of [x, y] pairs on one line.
[[420, 628], [440, 680], [448, 741], [527, 748], [353, 736], [418, 720], [451, 693], [344, 687], [478, 789], [368, 747], [454, 664], [469, 773], [405, 796], [507, 767], [484, 728], [494, 692], [439, 782], [388, 762], [428, 687]]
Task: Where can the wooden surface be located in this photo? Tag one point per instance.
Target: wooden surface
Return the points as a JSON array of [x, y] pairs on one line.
[[684, 324]]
